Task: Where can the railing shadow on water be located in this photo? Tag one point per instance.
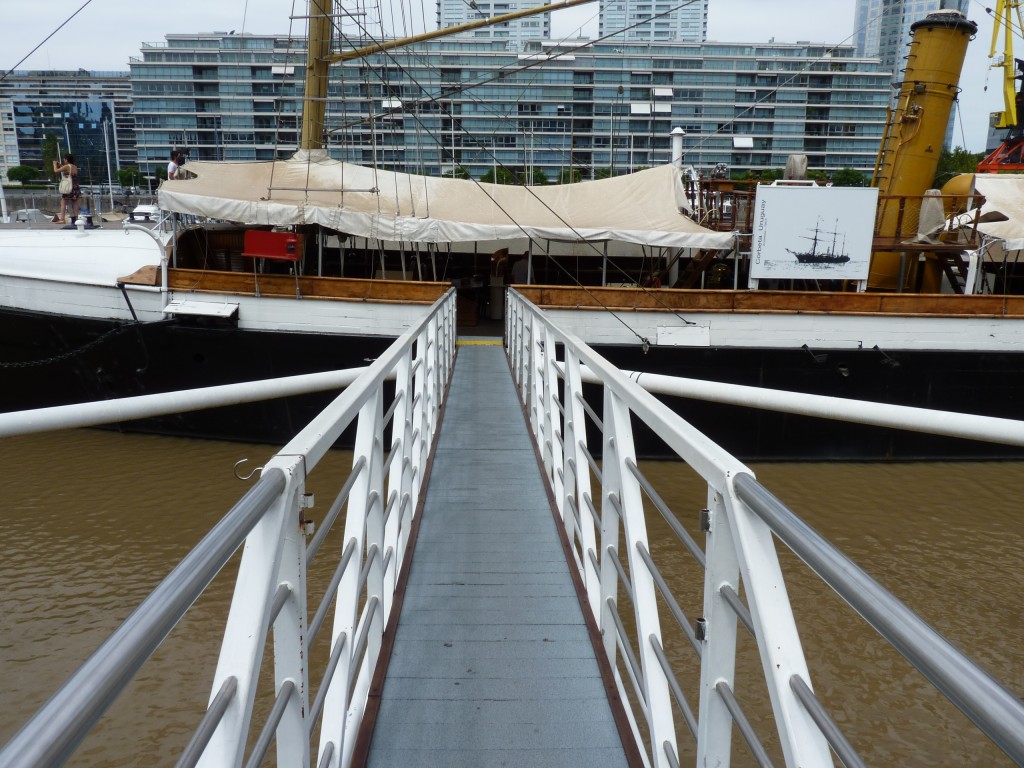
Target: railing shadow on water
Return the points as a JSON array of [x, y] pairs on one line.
[[270, 525], [602, 508]]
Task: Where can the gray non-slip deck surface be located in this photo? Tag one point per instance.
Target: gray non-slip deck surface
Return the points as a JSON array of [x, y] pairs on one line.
[[492, 664]]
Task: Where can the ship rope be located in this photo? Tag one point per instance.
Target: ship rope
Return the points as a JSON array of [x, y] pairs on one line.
[[463, 88], [44, 40]]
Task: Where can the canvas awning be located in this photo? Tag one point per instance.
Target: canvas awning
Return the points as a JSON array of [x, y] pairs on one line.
[[644, 207], [1004, 193]]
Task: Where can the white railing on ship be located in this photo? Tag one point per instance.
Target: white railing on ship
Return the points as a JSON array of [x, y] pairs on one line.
[[741, 517], [380, 496]]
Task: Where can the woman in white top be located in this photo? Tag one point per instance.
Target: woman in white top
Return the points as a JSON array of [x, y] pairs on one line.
[[172, 167]]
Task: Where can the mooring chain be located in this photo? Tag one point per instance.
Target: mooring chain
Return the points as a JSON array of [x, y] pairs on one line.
[[64, 355]]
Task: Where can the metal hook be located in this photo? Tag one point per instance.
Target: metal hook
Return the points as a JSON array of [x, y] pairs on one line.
[[247, 477]]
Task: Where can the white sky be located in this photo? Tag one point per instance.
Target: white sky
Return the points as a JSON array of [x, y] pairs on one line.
[[106, 33]]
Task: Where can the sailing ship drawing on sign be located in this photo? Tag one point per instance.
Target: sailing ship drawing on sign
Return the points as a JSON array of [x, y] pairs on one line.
[[833, 254]]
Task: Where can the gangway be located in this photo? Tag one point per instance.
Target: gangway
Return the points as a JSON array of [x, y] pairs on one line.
[[364, 671]]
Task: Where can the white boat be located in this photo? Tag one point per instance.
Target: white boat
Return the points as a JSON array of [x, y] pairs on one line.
[[267, 269]]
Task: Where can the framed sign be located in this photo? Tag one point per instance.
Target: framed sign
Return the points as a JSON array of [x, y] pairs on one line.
[[812, 233]]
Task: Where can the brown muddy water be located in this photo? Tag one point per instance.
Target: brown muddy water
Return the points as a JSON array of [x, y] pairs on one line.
[[91, 521]]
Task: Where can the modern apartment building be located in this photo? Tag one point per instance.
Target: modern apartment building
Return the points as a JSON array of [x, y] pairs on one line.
[[88, 113], [552, 108], [882, 27], [654, 20], [451, 13]]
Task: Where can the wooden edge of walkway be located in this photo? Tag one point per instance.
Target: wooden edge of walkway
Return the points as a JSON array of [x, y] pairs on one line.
[[364, 738]]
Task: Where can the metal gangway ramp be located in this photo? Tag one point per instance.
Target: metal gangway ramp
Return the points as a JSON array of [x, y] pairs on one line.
[[492, 662]]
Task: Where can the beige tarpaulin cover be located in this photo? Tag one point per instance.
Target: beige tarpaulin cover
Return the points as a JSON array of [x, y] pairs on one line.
[[643, 207], [1003, 193]]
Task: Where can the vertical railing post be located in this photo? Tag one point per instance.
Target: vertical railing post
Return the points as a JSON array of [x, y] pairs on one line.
[[369, 443], [577, 477], [399, 477], [777, 637], [718, 635], [551, 448], [335, 722], [420, 419], [291, 652], [655, 687], [245, 635], [611, 488]]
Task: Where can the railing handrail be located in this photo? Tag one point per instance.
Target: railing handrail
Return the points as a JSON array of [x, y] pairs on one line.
[[265, 518], [995, 710], [50, 737], [740, 524]]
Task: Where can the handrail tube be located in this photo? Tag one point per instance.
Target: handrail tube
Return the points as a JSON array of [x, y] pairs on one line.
[[328, 755], [214, 714], [673, 685], [391, 409], [259, 749], [673, 522], [364, 574], [325, 681], [592, 462], [53, 733], [335, 510], [746, 730], [993, 708], [575, 517], [592, 509], [590, 412], [947, 423], [843, 749], [627, 586], [635, 672], [666, 593], [332, 588], [280, 598], [363, 636], [670, 755], [161, 404], [742, 612]]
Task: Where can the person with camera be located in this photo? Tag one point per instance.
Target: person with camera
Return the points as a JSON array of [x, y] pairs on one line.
[[69, 190]]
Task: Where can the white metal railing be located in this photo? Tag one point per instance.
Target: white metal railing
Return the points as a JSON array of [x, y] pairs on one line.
[[607, 529], [379, 498]]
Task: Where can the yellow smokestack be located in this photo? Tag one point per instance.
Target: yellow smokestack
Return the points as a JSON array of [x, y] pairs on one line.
[[915, 134]]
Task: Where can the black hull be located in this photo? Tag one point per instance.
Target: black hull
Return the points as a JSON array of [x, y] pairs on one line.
[[990, 384], [88, 360]]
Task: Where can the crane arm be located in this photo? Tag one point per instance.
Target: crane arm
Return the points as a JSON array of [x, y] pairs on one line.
[[1005, 13]]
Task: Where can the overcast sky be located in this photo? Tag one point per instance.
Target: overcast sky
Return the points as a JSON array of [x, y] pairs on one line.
[[105, 34]]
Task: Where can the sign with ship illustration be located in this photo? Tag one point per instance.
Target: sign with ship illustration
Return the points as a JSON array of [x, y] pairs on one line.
[[812, 233]]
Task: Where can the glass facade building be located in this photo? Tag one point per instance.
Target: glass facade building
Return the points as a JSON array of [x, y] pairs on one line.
[[562, 109], [89, 114], [653, 20]]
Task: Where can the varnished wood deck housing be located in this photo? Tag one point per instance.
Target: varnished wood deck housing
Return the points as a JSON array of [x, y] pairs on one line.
[[793, 302]]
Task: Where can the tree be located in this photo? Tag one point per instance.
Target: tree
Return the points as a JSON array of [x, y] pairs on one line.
[[954, 162], [129, 177], [23, 173], [570, 176], [459, 172], [49, 151], [539, 178], [503, 176], [849, 177], [604, 173]]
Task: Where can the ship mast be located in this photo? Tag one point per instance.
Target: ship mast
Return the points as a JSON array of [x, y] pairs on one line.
[[319, 57]]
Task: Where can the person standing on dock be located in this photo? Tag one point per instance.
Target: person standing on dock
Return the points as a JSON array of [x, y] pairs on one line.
[[70, 192]]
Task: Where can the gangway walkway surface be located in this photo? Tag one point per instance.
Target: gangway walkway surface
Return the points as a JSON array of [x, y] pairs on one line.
[[492, 662]]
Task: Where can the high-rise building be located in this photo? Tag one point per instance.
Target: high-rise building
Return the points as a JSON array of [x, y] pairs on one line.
[[882, 27], [451, 13], [563, 110], [654, 20], [87, 113]]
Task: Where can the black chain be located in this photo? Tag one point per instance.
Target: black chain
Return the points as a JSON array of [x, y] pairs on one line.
[[65, 355]]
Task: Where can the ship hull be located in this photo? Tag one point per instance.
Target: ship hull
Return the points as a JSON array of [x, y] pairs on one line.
[[985, 383], [53, 359]]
